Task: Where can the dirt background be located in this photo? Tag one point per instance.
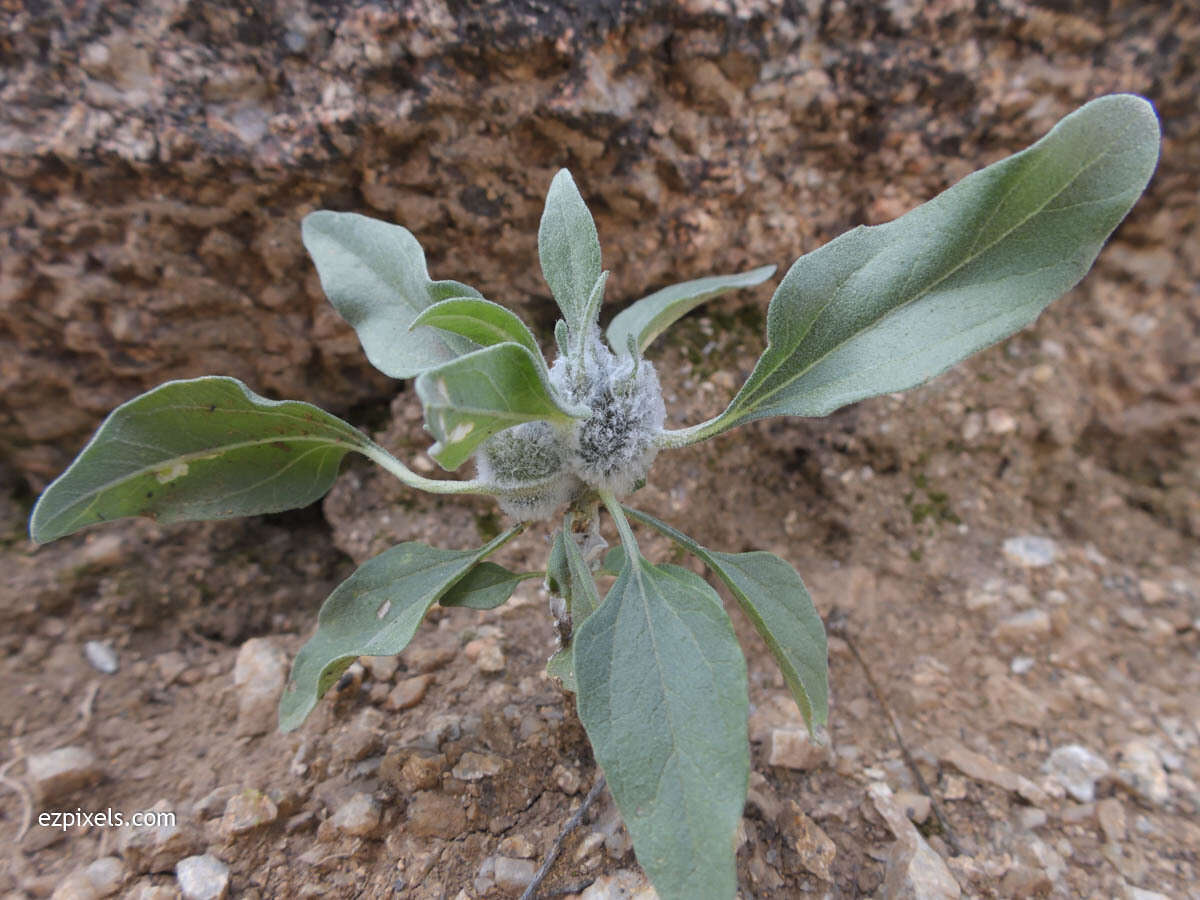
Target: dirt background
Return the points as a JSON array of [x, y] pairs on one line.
[[157, 163]]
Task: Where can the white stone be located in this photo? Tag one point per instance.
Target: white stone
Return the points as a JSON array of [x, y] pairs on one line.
[[202, 877], [623, 884], [1000, 421], [358, 816], [514, 874], [1077, 769], [1030, 551], [102, 657], [914, 870], [1137, 893], [259, 675], [1140, 769]]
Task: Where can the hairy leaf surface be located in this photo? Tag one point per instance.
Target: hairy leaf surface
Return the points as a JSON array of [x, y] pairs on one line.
[[481, 321], [569, 250], [662, 694], [486, 586], [471, 398], [646, 319], [775, 599], [885, 308], [375, 276], [206, 448], [374, 612]]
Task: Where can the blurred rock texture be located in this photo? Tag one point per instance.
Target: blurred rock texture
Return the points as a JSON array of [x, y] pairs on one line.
[[157, 158]]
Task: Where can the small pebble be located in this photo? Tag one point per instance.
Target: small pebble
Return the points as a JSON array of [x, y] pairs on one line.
[[794, 748], [102, 657], [916, 806], [62, 771], [409, 692], [102, 878], [1077, 769], [567, 779], [517, 846], [246, 811], [1141, 771], [486, 653], [477, 766], [1025, 625], [624, 884], [202, 877], [157, 848], [359, 738], [1111, 816], [1000, 421], [359, 816], [382, 668], [1031, 551], [514, 874], [259, 675]]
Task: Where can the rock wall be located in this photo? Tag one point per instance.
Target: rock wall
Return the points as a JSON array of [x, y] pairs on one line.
[[157, 160]]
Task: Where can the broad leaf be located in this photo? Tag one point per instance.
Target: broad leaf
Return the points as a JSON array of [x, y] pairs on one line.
[[774, 598], [481, 321], [208, 448], [569, 250], [886, 308], [662, 694], [646, 319], [473, 397], [374, 612], [486, 586], [374, 274]]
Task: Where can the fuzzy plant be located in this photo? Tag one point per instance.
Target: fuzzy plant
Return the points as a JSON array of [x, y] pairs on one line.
[[658, 677]]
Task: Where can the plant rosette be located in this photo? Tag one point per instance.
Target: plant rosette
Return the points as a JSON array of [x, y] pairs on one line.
[[658, 677]]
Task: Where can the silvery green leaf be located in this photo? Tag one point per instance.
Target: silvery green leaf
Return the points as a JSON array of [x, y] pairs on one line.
[[645, 319], [662, 695], [374, 612], [480, 321], [885, 308], [775, 599], [486, 586], [569, 250], [207, 448], [375, 276], [471, 398]]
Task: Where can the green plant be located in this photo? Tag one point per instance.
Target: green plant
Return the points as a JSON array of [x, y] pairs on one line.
[[660, 681]]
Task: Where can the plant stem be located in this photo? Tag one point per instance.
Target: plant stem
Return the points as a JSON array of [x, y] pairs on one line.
[[403, 473], [683, 437], [618, 515]]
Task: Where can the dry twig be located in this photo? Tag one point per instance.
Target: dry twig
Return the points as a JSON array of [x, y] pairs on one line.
[[556, 847], [838, 622]]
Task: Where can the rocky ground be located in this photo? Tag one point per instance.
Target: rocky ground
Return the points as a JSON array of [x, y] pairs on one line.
[[1012, 572]]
